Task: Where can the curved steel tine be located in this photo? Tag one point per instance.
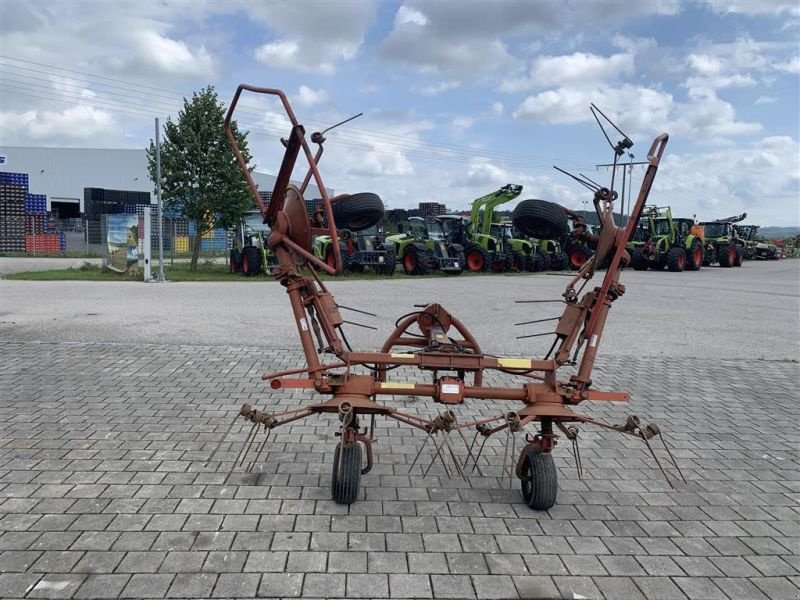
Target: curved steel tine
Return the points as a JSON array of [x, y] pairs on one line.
[[658, 462], [441, 458], [421, 448], [576, 452], [456, 461], [222, 439], [245, 447], [260, 450], [469, 451], [480, 451], [671, 457]]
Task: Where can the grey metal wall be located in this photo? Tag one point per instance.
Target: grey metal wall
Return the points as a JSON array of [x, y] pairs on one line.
[[62, 173]]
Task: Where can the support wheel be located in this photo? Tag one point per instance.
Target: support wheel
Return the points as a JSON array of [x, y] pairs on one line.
[[539, 480], [344, 485], [676, 259]]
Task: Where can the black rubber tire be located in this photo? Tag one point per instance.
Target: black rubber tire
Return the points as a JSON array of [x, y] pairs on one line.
[[737, 262], [638, 261], [518, 262], [676, 259], [358, 212], [474, 251], [691, 263], [251, 261], [461, 260], [417, 263], [390, 265], [235, 261], [539, 481], [723, 256], [344, 489], [545, 261], [577, 255], [559, 262], [532, 263], [540, 219]]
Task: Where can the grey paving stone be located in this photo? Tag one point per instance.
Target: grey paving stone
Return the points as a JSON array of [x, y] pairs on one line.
[[239, 585], [102, 586], [539, 587], [367, 586], [98, 562], [777, 588], [347, 562], [56, 586], [183, 562], [494, 586], [17, 584], [141, 562], [147, 586], [737, 588], [571, 587], [452, 586], [323, 585], [618, 587], [410, 586]]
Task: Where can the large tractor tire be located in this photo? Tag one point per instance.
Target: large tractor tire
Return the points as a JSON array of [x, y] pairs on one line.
[[345, 482], [726, 255], [518, 262], [235, 261], [694, 256], [390, 264], [545, 261], [540, 219], [539, 480], [737, 262], [559, 262], [676, 259], [477, 259], [358, 212], [534, 262], [415, 262], [638, 261], [251, 261], [578, 254]]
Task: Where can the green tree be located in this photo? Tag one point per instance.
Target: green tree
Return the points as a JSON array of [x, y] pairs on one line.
[[199, 173]]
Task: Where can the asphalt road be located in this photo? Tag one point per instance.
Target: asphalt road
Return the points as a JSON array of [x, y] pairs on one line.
[[751, 312]]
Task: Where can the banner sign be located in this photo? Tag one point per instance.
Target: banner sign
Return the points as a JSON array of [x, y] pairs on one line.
[[123, 241]]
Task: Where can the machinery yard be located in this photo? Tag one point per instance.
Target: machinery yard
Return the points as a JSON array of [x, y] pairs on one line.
[[107, 422]]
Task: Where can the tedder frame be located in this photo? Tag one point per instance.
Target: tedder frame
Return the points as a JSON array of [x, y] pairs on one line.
[[431, 339]]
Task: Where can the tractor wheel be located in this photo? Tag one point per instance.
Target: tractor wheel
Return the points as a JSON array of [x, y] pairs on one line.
[[545, 262], [251, 261], [539, 480], [540, 219], [518, 262], [478, 259], [345, 483], [358, 212], [638, 261], [676, 259], [534, 262], [694, 256], [726, 255], [235, 262], [559, 262], [414, 262], [577, 256], [737, 262], [390, 264], [330, 259], [461, 260]]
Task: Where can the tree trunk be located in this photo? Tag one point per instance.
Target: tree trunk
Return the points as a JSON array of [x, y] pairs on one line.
[[198, 242]]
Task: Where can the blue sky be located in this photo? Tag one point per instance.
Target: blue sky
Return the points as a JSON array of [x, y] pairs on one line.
[[459, 97]]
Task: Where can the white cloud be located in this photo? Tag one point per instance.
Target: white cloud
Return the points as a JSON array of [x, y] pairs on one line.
[[762, 179], [49, 127], [755, 7], [497, 109], [766, 100], [169, 56], [581, 68], [406, 15], [306, 97], [438, 88]]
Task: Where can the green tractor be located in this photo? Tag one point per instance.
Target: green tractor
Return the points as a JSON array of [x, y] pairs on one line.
[[755, 247], [480, 234], [425, 247], [722, 243], [676, 244], [250, 254], [456, 229], [361, 241], [523, 254]]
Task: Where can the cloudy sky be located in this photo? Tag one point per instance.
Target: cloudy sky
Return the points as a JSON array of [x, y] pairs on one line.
[[459, 96]]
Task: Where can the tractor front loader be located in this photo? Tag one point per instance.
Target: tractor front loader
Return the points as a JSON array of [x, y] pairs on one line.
[[722, 243], [676, 244]]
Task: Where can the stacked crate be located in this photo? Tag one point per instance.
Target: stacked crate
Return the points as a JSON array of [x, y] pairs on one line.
[[101, 201], [13, 189]]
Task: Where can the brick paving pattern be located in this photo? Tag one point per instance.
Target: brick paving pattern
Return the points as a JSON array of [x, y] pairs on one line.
[[105, 491]]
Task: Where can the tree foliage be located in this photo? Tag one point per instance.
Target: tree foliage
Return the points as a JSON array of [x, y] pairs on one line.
[[199, 173]]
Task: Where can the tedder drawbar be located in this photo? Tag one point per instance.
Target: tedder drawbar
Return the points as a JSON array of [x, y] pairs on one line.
[[433, 340]]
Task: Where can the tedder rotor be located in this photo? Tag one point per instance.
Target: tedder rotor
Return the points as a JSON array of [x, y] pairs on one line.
[[433, 340]]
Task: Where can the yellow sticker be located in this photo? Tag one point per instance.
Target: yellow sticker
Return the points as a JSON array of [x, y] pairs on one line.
[[514, 363], [402, 355], [397, 386]]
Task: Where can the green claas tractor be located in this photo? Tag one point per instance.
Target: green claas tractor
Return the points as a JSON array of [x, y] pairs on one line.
[[673, 243], [425, 247], [479, 230], [722, 244], [250, 254], [755, 247], [456, 229], [524, 254], [361, 241]]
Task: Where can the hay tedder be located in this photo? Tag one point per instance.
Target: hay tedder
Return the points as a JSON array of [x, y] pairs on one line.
[[433, 340]]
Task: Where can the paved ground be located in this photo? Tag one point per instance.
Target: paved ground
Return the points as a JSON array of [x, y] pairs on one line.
[[105, 492]]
